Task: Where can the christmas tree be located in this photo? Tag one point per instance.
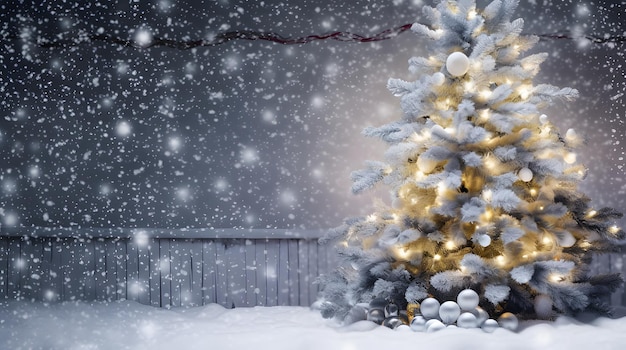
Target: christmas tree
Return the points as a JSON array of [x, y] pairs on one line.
[[484, 187]]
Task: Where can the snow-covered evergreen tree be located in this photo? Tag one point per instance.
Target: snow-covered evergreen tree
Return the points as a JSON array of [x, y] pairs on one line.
[[484, 187]]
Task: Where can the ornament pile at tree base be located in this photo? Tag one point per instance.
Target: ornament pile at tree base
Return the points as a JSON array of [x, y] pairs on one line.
[[431, 315]]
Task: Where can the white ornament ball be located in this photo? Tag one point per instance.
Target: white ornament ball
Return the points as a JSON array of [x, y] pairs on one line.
[[449, 312], [467, 320], [438, 79], [481, 315], [570, 158], [467, 299], [508, 321], [570, 134], [429, 308], [484, 240], [435, 326], [426, 165], [457, 64], [565, 239], [543, 306], [490, 325], [525, 174], [543, 119], [403, 328], [418, 323]]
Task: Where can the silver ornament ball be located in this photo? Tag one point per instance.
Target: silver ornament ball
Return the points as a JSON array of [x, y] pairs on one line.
[[481, 315], [418, 323], [435, 326], [467, 299], [376, 316], [508, 321], [429, 308], [467, 320], [449, 312], [490, 326]]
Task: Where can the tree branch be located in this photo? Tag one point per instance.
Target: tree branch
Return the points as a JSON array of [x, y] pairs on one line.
[[222, 38]]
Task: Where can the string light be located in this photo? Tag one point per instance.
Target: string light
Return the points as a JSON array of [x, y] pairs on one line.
[[546, 240], [592, 213], [556, 278], [614, 229], [403, 253], [437, 257], [450, 245], [500, 259], [533, 192], [371, 218]]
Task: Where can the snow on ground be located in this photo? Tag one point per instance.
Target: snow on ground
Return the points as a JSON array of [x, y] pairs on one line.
[[129, 325]]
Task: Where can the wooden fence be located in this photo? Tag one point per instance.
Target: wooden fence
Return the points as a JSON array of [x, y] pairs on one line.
[[170, 268], [165, 268]]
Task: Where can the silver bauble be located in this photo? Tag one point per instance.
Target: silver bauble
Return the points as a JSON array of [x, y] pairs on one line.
[[435, 326], [376, 316], [418, 323], [467, 320], [490, 325], [467, 299], [429, 308], [481, 315], [392, 322], [449, 312], [508, 321], [391, 309]]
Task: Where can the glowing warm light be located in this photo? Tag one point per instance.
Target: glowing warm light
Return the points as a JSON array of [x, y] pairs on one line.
[[524, 92], [533, 192], [371, 218], [469, 86], [419, 175], [525, 256], [450, 130], [472, 14], [546, 240], [570, 158], [484, 115], [403, 253], [487, 195], [441, 187], [395, 217], [488, 214], [490, 163], [614, 229], [556, 278], [485, 94], [500, 259], [592, 213], [450, 245], [437, 257], [344, 243], [585, 244], [413, 200], [541, 208]]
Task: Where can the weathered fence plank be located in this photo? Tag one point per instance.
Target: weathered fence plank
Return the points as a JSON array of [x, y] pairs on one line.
[[166, 273], [260, 265], [209, 273], [251, 280], [155, 272]]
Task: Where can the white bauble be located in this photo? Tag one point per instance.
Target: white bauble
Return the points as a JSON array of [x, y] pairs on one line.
[[525, 174], [570, 158], [467, 299], [484, 240], [457, 64], [426, 165], [508, 321], [403, 328], [570, 134], [490, 325], [418, 323], [543, 306], [481, 315], [449, 312], [438, 79], [429, 308], [467, 320], [435, 326], [543, 119]]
